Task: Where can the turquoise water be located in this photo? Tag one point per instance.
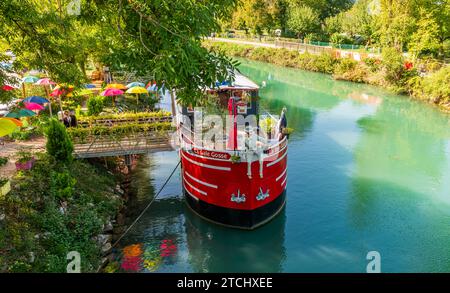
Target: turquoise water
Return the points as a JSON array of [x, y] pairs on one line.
[[367, 170]]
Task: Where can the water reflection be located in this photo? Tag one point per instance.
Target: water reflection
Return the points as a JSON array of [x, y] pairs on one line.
[[220, 249]]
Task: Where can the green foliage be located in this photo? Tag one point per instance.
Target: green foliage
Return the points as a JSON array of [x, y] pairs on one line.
[[337, 39], [81, 134], [425, 40], [37, 223], [3, 161], [351, 70], [434, 88], [62, 184], [303, 20], [393, 65], [156, 38], [59, 145], [95, 105]]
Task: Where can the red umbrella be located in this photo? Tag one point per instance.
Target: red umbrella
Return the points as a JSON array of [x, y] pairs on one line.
[[7, 88], [56, 93], [33, 106]]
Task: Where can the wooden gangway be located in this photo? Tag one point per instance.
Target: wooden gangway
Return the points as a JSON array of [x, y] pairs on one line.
[[98, 142]]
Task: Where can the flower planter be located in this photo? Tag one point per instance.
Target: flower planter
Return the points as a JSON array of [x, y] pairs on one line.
[[5, 188], [25, 165]]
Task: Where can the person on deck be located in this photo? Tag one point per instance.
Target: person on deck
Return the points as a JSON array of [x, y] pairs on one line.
[[282, 124], [69, 119]]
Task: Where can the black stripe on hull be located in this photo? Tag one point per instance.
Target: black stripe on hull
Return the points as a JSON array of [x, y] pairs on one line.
[[242, 219]]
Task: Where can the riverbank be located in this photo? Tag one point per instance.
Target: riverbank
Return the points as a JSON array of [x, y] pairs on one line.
[[391, 71], [54, 209]]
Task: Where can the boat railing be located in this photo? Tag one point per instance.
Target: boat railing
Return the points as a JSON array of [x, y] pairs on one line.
[[268, 147]]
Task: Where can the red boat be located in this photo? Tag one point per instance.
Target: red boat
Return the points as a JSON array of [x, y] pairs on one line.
[[239, 185]]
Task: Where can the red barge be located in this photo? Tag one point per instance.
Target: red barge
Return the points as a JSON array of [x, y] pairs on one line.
[[237, 185]]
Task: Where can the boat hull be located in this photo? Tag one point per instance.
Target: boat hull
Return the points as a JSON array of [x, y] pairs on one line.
[[244, 194], [235, 218]]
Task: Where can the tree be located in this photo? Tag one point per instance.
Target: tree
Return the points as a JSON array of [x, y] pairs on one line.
[[425, 40], [59, 145], [395, 23], [157, 38], [303, 20]]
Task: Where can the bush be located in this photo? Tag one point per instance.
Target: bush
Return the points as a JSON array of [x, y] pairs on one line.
[[434, 88], [393, 65], [337, 39], [62, 184], [349, 69], [95, 105], [59, 145]]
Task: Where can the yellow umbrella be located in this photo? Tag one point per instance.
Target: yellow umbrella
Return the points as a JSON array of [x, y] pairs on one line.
[[7, 126], [14, 120], [137, 90], [118, 86]]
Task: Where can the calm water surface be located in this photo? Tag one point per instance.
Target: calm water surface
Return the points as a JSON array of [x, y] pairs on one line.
[[367, 170]]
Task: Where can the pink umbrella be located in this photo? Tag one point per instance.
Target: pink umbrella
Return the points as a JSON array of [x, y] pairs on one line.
[[44, 81], [111, 92], [33, 106]]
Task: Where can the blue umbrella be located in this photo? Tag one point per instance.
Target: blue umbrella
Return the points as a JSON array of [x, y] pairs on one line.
[[133, 84], [36, 99], [30, 79], [90, 86]]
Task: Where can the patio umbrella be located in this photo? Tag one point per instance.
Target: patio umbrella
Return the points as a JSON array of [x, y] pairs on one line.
[[28, 79], [7, 88], [56, 92], [20, 113], [44, 81], [35, 99], [6, 127], [133, 84], [118, 86], [111, 92], [14, 120], [33, 106], [137, 90]]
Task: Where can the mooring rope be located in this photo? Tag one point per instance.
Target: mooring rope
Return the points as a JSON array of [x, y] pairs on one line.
[[149, 204]]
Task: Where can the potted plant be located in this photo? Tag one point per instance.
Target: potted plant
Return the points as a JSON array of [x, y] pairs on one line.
[[25, 160], [5, 186]]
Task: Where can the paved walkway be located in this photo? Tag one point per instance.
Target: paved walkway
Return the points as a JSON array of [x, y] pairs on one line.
[[9, 150]]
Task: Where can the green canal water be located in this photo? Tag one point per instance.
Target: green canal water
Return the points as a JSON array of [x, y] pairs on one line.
[[367, 171]]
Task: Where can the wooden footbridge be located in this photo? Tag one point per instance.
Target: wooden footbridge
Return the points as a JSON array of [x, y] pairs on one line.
[[122, 136]]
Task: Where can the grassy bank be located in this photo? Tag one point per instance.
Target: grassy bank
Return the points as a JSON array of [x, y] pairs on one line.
[[390, 71], [53, 209]]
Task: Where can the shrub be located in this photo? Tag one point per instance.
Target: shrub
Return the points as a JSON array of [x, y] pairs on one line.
[[62, 184], [434, 87], [337, 39], [95, 105], [349, 69], [393, 65], [59, 145]]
